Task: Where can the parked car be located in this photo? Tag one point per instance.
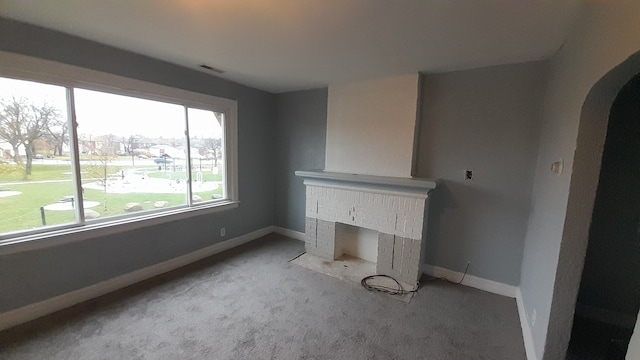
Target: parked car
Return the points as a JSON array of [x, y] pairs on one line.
[[39, 156], [163, 160]]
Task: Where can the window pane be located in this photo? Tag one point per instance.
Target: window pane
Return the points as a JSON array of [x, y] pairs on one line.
[[36, 179], [132, 153], [207, 154]]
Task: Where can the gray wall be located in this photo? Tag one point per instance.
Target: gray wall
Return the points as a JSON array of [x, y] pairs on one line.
[[604, 36], [633, 352], [32, 276], [301, 131], [485, 120]]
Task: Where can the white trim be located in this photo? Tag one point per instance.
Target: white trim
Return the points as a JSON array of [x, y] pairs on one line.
[[527, 335], [36, 69], [230, 145], [49, 306], [290, 233], [472, 281], [80, 232]]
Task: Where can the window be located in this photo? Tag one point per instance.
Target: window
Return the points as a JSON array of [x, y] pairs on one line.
[[206, 153], [33, 131], [132, 155], [136, 154]]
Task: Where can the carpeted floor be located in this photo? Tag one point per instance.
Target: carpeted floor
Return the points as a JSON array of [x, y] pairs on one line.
[[250, 303]]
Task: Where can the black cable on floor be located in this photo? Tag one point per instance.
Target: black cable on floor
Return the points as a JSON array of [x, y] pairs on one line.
[[385, 289], [453, 282], [297, 256]]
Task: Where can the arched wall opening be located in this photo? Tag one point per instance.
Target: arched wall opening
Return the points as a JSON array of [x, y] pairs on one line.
[[592, 131], [608, 302]]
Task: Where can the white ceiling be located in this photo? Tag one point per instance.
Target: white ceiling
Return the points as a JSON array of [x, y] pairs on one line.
[[285, 45]]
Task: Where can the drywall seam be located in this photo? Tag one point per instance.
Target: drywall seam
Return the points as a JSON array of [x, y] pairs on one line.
[[472, 281], [527, 336], [416, 130], [51, 305]]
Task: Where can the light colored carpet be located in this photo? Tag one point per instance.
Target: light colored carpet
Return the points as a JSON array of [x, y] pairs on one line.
[[251, 303]]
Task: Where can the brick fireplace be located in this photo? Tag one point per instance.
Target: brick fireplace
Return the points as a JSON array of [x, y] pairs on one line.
[[393, 207]]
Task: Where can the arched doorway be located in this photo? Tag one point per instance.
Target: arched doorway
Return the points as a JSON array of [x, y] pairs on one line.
[[584, 182], [608, 298]]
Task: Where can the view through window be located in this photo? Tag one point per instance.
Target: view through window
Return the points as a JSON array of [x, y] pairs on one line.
[[36, 178], [131, 153], [134, 156], [207, 156]]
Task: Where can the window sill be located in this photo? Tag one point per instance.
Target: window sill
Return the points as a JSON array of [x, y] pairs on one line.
[[91, 230]]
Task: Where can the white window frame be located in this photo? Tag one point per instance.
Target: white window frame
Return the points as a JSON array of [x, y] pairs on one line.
[[49, 72]]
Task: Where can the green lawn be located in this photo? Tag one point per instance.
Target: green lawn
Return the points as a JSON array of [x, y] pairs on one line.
[[22, 212], [39, 172]]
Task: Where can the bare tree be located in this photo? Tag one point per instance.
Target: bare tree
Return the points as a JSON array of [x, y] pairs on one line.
[[57, 135], [215, 146], [130, 143], [22, 123], [107, 147]]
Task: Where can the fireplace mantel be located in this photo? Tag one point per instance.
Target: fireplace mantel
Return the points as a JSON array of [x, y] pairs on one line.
[[394, 207], [373, 182]]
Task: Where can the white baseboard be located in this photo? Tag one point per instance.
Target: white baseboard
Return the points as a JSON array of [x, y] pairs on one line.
[[472, 281], [606, 316], [49, 306], [289, 233], [527, 335]]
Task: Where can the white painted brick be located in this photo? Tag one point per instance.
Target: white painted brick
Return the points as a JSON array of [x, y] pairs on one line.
[[389, 214], [410, 207]]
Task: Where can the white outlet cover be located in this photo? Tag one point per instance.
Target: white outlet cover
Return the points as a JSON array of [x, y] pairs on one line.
[[556, 167]]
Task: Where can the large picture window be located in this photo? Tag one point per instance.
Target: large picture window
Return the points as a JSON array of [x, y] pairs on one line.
[[73, 156]]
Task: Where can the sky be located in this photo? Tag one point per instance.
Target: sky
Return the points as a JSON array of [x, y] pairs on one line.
[[100, 113]]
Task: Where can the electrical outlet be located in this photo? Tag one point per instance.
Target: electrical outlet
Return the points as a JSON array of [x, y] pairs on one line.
[[223, 232], [468, 174], [533, 318]]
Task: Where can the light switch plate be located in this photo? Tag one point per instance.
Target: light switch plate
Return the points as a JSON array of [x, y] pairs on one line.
[[556, 167]]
